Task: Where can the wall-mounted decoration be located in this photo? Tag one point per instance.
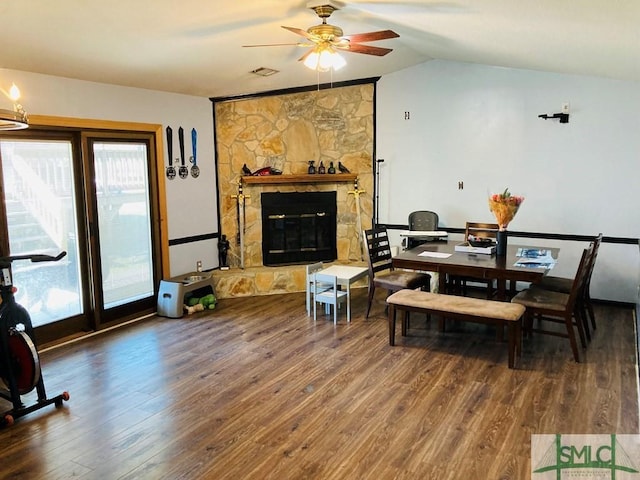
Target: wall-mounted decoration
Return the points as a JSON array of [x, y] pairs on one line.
[[183, 171], [195, 170], [171, 171]]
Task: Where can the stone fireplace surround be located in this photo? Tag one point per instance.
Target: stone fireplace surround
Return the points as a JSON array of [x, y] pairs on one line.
[[285, 132]]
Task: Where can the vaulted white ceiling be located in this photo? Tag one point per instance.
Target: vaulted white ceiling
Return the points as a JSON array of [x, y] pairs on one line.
[[195, 46]]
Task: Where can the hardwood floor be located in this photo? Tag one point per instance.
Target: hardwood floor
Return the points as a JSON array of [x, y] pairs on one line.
[[256, 390]]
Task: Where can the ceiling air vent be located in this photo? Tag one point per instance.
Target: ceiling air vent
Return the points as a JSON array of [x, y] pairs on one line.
[[264, 72]]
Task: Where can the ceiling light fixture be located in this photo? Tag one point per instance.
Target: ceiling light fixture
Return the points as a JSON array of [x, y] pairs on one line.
[[324, 58], [15, 119]]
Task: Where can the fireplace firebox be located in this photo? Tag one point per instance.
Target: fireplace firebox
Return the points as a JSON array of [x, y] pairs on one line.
[[298, 227]]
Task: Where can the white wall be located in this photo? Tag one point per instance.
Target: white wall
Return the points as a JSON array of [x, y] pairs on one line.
[[480, 125], [191, 202], [468, 123]]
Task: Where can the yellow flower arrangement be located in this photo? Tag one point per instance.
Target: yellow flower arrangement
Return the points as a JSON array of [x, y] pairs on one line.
[[504, 207]]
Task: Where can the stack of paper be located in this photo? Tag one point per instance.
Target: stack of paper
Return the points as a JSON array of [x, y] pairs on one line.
[[535, 258], [423, 233], [531, 252]]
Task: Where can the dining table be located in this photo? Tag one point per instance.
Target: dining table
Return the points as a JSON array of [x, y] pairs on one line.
[[443, 258]]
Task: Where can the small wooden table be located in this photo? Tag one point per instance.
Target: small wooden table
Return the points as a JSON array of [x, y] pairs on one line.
[[477, 265], [346, 275]]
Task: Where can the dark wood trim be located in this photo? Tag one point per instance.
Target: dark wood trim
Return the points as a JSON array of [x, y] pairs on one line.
[[637, 307], [216, 167], [193, 238], [543, 235], [613, 303], [287, 91]]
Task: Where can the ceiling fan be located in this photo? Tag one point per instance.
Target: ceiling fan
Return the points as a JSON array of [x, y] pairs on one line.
[[324, 40]]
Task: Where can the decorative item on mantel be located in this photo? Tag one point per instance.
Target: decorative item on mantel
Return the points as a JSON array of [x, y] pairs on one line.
[[264, 171], [312, 169], [342, 168], [504, 207], [261, 172], [332, 169], [321, 168]]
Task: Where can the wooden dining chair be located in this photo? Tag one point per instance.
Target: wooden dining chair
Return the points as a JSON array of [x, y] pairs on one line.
[[563, 285], [381, 272], [483, 230], [326, 291], [556, 307]]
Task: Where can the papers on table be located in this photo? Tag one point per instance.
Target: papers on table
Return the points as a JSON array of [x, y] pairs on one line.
[[531, 252], [427, 253], [535, 258], [423, 233], [466, 247]]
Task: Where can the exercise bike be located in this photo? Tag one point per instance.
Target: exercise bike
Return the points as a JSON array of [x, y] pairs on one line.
[[19, 361]]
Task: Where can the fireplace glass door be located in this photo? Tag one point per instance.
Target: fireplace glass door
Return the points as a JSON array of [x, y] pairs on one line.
[[298, 227]]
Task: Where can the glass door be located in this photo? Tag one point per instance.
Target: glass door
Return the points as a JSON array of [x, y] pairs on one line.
[[40, 210], [124, 235], [94, 195]]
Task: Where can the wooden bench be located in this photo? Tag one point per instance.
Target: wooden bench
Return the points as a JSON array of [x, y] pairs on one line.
[[460, 308]]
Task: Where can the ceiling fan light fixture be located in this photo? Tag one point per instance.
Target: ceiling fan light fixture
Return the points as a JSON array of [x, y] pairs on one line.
[[327, 40], [336, 60], [323, 59], [15, 119]]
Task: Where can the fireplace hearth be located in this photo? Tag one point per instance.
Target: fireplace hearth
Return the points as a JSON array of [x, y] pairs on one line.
[[298, 227]]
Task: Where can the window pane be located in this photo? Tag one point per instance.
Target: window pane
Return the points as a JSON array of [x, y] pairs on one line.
[[41, 218], [122, 189]]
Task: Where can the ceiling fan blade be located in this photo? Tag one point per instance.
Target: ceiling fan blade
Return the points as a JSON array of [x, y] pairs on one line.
[[371, 36], [299, 31], [282, 45], [366, 49], [304, 57]]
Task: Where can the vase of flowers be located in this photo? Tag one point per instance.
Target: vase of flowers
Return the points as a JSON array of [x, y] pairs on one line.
[[504, 207]]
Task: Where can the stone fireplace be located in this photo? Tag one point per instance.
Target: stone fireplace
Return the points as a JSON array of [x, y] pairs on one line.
[[286, 131], [298, 227]]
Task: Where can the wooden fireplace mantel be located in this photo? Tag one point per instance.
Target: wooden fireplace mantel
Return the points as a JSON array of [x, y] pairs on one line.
[[305, 178]]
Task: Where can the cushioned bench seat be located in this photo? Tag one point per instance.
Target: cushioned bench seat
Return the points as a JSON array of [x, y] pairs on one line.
[[460, 308]]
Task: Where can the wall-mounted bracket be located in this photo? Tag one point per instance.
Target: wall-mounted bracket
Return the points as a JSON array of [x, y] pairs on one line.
[[564, 117]]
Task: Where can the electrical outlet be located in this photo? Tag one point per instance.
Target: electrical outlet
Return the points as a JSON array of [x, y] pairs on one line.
[[565, 107], [199, 265], [6, 278]]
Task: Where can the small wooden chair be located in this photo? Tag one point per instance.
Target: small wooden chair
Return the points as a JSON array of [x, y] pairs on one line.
[[325, 290], [311, 271]]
